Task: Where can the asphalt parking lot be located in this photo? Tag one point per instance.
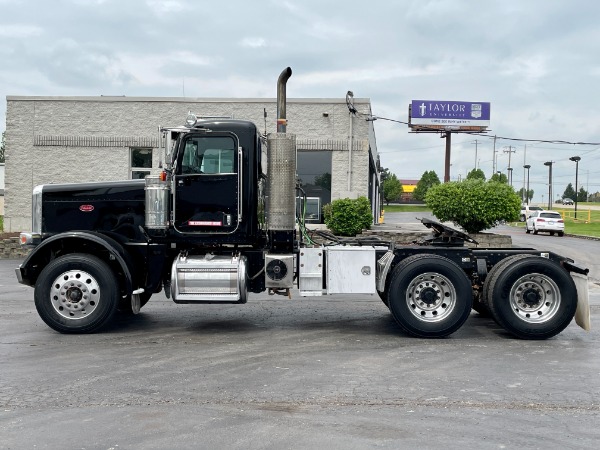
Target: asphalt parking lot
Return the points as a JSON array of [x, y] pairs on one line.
[[331, 372]]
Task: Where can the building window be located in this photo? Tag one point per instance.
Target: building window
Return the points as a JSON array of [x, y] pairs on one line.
[[314, 170], [140, 162]]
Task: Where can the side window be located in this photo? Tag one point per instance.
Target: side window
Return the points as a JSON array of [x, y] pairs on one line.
[[140, 162], [208, 155]]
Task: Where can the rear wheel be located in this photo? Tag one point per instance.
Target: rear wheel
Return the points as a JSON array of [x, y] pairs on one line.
[[76, 293], [429, 296], [533, 297], [535, 231], [561, 233], [494, 271]]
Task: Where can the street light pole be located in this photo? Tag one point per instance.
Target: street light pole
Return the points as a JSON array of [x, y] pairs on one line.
[[510, 176], [549, 164], [576, 159], [527, 167], [476, 142]]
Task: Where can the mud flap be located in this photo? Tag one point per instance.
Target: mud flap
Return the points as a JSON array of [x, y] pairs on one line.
[[582, 315], [136, 303]]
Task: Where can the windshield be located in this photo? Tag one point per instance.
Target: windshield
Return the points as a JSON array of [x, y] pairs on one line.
[[548, 215]]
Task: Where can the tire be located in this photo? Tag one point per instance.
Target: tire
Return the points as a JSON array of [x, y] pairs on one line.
[[429, 296], [76, 293], [532, 297], [527, 230], [561, 233], [552, 233], [494, 271], [535, 231], [523, 218]]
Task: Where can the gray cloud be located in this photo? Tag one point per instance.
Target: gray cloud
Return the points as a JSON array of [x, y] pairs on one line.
[[535, 61]]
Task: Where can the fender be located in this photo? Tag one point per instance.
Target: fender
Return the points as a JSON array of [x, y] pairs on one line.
[[74, 242]]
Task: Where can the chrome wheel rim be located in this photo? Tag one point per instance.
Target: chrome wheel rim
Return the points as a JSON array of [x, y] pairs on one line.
[[535, 298], [75, 294], [431, 297]]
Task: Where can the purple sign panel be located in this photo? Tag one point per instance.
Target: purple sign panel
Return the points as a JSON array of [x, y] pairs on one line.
[[450, 114]]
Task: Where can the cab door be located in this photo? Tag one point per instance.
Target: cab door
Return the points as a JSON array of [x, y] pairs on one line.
[[207, 180]]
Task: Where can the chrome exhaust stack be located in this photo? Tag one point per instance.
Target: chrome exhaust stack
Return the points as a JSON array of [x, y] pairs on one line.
[[281, 201], [281, 99]]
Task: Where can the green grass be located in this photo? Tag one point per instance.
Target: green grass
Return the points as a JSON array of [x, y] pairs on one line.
[[405, 208], [587, 223]]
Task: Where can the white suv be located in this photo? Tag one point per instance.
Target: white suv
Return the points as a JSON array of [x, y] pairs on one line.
[[526, 211], [550, 221]]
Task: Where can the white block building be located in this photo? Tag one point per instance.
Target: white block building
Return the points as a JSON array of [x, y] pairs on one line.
[[82, 139]]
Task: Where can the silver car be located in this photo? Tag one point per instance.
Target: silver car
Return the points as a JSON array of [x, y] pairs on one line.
[[548, 221]]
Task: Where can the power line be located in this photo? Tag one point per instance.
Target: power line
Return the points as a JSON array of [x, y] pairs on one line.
[[475, 133]]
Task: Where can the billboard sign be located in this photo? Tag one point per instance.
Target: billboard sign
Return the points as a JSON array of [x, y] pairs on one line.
[[449, 115]]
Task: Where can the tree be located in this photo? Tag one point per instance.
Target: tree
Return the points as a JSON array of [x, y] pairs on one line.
[[2, 148], [521, 194], [392, 188], [569, 192], [385, 173], [474, 205], [324, 181], [428, 180], [499, 177], [582, 195], [476, 174]]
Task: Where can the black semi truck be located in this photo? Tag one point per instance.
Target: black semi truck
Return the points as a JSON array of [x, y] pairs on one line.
[[221, 221]]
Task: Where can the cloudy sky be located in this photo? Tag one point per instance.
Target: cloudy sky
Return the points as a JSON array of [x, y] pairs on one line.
[[536, 61]]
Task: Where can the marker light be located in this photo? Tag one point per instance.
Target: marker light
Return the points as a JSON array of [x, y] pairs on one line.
[[191, 120]]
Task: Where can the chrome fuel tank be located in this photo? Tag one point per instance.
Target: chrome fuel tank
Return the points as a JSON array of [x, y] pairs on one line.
[[209, 279]]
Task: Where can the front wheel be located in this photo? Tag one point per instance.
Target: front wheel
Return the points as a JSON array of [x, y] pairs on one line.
[[429, 296], [76, 293], [533, 298]]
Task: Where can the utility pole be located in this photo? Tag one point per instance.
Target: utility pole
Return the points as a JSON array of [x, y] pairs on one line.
[[524, 166], [448, 136], [576, 160], [476, 142], [549, 164], [510, 151], [494, 157]]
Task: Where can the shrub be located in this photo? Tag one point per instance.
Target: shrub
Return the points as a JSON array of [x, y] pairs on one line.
[[347, 217], [474, 205]]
